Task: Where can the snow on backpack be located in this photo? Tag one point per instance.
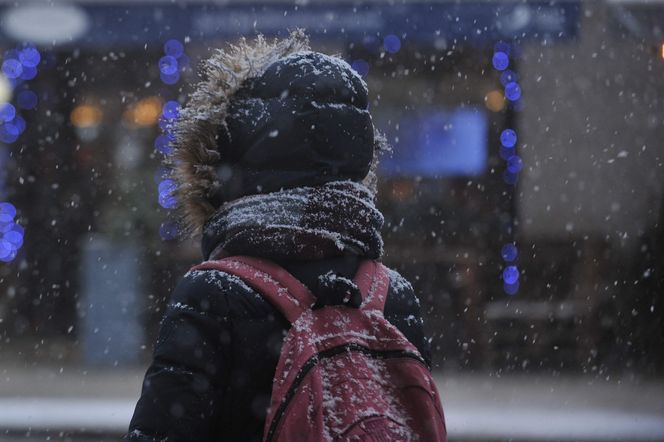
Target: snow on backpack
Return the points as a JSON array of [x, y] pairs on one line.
[[344, 374]]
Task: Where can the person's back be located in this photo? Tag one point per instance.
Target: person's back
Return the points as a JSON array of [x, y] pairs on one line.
[[274, 159]]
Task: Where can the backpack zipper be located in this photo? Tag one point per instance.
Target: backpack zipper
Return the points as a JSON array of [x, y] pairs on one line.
[[312, 361]]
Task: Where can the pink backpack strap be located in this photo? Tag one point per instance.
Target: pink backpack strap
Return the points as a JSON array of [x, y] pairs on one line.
[[373, 280], [280, 288]]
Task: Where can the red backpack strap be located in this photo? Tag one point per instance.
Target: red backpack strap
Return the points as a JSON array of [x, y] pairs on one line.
[[280, 288], [373, 280]]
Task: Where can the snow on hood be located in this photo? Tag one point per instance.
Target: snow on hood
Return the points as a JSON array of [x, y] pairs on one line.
[[196, 130]]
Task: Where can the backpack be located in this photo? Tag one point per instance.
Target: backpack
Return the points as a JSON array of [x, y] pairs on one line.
[[344, 373]]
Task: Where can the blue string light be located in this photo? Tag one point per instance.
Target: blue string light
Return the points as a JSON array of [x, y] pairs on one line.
[[19, 65], [513, 163], [11, 233], [28, 73], [508, 76], [510, 274], [509, 252], [511, 289], [167, 186], [508, 138], [502, 46], [168, 230], [29, 57], [7, 112], [170, 79], [171, 110], [500, 61], [168, 65], [19, 122], [173, 48], [7, 213], [27, 99], [161, 174], [171, 65], [392, 43], [506, 152], [9, 133], [12, 68], [361, 67], [513, 91]]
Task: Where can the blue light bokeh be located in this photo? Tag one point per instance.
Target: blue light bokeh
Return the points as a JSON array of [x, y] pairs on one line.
[[510, 274], [168, 65], [511, 289], [7, 112], [167, 187], [508, 138], [11, 233], [11, 54], [29, 57], [361, 67], [161, 174], [27, 99], [173, 48], [508, 76], [28, 73], [506, 152], [167, 201], [513, 91], [163, 144], [500, 61], [171, 110], [8, 133], [392, 43], [19, 122], [168, 230], [170, 78], [7, 254], [166, 198], [509, 252], [514, 164], [502, 46], [12, 68], [7, 212]]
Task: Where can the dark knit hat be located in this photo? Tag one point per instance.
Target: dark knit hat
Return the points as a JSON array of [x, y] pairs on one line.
[[270, 116]]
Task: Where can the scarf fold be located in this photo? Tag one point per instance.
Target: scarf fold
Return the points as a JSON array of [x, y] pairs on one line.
[[303, 223]]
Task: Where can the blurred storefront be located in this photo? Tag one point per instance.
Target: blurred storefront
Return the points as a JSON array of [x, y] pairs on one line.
[[570, 200]]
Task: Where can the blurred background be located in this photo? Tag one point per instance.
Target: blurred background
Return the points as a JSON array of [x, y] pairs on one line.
[[524, 198]]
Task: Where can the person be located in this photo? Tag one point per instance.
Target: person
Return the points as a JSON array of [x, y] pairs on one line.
[[275, 157]]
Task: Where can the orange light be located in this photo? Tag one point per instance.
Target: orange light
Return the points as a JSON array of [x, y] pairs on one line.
[[662, 50], [495, 101], [86, 115], [144, 113], [402, 190]]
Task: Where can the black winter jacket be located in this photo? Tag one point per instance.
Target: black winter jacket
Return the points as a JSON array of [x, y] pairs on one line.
[[217, 352]]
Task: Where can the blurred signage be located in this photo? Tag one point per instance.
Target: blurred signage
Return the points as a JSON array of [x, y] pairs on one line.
[[436, 143], [472, 22]]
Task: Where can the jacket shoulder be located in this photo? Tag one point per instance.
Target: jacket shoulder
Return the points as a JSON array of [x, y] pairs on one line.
[[217, 292], [401, 291]]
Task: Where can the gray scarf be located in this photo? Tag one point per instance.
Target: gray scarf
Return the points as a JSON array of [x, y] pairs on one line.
[[302, 223]]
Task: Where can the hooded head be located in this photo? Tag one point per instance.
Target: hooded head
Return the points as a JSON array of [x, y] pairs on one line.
[[270, 116]]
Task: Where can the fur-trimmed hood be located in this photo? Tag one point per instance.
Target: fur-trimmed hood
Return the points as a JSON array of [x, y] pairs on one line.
[[197, 156]]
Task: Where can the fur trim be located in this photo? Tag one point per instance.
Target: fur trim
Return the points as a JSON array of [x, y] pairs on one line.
[[197, 128], [193, 163]]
